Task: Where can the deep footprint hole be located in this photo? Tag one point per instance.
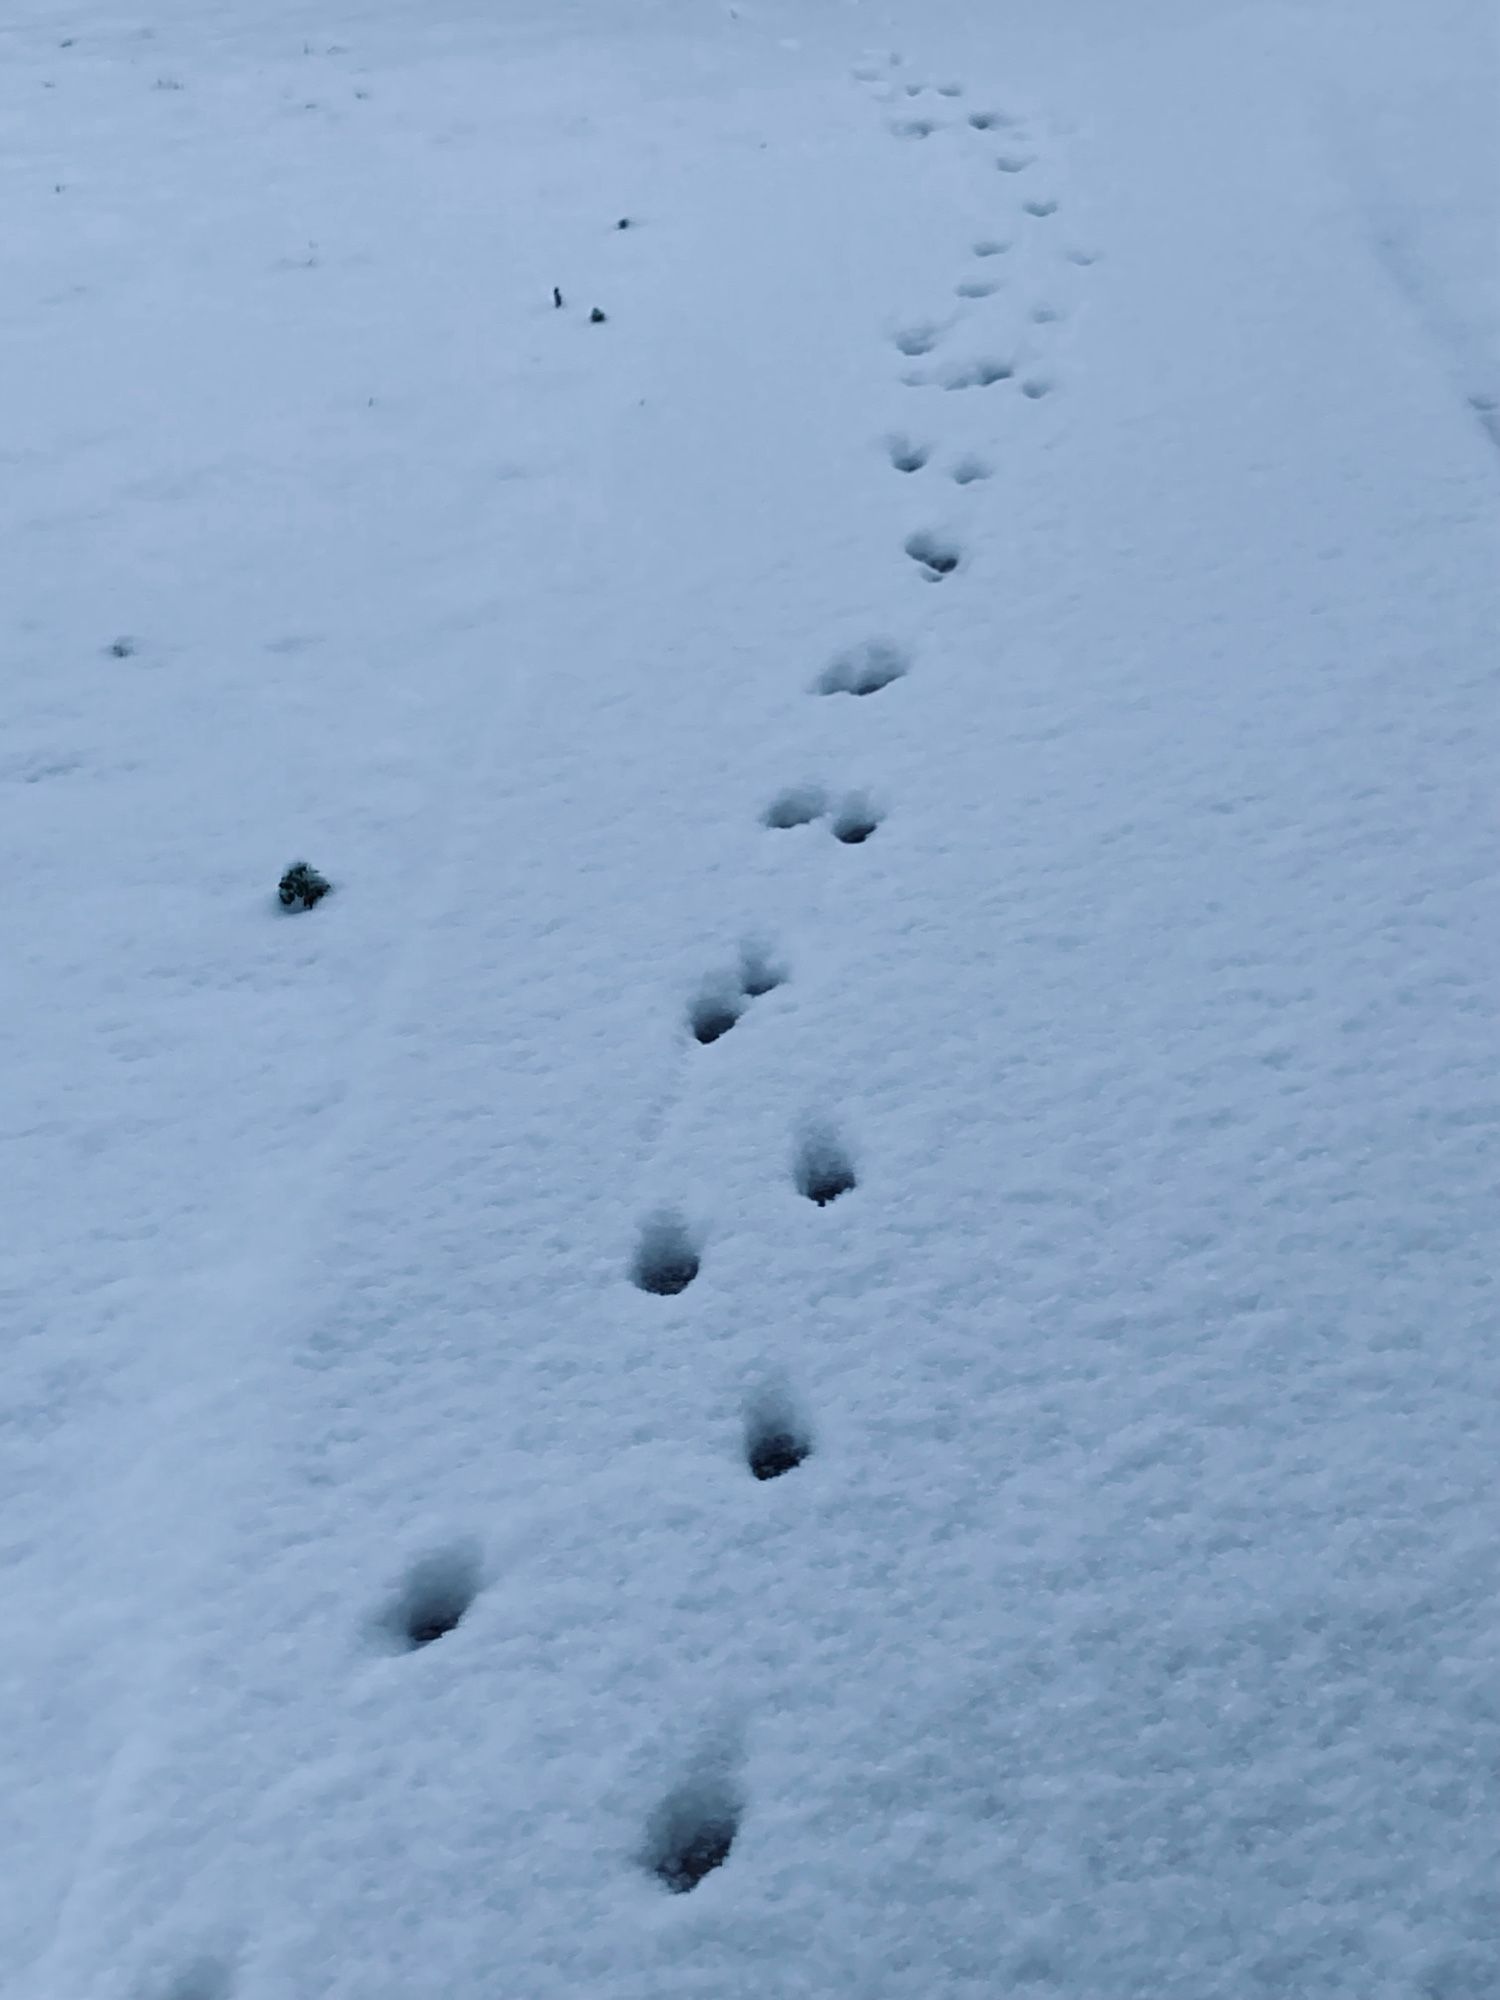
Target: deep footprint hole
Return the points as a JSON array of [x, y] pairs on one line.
[[666, 1259], [713, 1013], [433, 1599], [855, 821], [776, 1440], [824, 1168], [692, 1833], [935, 554]]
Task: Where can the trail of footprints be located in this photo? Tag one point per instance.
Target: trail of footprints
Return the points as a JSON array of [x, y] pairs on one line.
[[692, 1831]]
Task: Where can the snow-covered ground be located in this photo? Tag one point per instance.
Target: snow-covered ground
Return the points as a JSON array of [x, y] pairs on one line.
[[977, 680]]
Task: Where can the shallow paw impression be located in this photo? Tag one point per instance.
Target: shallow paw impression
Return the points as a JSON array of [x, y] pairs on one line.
[[936, 555], [864, 669], [918, 339], [909, 457], [666, 1259], [204, 1979], [432, 1600], [983, 374], [824, 1169], [760, 973], [798, 805], [855, 820], [692, 1831]]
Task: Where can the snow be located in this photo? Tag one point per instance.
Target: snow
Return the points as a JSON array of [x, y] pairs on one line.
[[850, 1271]]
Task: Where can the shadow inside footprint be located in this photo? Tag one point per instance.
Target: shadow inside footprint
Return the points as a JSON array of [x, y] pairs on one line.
[[976, 288], [864, 669], [1013, 163], [666, 1259], [1040, 208], [969, 470], [990, 246], [935, 555]]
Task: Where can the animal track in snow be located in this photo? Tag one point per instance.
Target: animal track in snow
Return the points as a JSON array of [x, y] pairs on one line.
[[666, 1258], [1046, 315], [720, 1000], [977, 374], [990, 121], [906, 456], [205, 1979], [760, 973], [433, 1599], [1014, 163], [693, 1829], [715, 1011], [863, 669], [1036, 386], [971, 469], [1083, 257], [1040, 208], [855, 820], [937, 555], [824, 1170], [913, 128], [990, 246], [798, 805], [977, 288], [919, 338], [950, 90], [776, 1439]]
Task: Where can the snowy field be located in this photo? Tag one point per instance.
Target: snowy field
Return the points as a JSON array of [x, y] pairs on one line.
[[829, 1334]]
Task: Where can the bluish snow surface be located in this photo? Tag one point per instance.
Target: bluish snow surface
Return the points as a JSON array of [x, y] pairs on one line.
[[830, 1332]]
